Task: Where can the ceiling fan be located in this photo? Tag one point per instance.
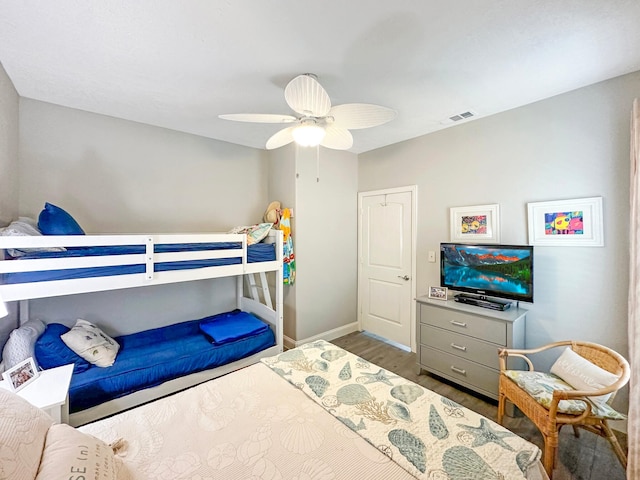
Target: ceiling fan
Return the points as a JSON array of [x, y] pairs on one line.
[[316, 122]]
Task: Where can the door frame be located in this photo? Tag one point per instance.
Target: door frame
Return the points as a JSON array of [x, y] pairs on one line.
[[413, 189]]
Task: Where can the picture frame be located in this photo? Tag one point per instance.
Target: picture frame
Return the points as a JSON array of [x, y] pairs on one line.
[[438, 293], [475, 224], [21, 374], [569, 223]]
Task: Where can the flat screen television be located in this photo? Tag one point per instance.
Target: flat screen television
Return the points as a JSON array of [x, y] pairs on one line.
[[502, 271]]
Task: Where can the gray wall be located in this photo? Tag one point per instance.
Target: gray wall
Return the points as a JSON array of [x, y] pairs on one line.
[[8, 149], [116, 176], [323, 194], [327, 246], [8, 171], [570, 146], [132, 310]]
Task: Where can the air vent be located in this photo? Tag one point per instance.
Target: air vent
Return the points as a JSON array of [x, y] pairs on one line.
[[460, 116]]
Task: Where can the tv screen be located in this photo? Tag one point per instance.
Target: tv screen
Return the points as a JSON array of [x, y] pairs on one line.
[[503, 271]]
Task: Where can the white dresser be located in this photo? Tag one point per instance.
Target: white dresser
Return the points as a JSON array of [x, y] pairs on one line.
[[460, 342]]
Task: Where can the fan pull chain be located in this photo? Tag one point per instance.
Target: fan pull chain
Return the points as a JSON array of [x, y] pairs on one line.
[[318, 164]]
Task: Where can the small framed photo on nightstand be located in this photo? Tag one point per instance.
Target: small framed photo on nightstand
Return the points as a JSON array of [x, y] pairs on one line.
[[438, 293], [21, 374]]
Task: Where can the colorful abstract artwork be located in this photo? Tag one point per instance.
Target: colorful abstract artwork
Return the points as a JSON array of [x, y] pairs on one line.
[[576, 222], [473, 225], [476, 223], [564, 223]]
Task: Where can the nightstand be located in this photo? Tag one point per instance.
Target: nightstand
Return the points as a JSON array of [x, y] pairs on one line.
[[49, 392]]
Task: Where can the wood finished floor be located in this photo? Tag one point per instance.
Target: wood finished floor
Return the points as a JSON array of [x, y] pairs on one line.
[[588, 457]]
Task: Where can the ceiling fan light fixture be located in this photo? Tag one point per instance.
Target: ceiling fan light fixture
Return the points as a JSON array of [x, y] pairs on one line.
[[316, 121], [308, 135]]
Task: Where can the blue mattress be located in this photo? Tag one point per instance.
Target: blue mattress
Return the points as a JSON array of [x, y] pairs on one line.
[[259, 252], [149, 358]]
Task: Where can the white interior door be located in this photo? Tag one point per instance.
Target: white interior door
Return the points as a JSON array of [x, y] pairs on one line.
[[386, 287]]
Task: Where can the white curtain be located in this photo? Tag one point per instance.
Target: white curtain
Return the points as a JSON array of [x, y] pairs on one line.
[[633, 468]]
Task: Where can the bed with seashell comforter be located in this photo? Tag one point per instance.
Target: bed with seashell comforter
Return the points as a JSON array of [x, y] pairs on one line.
[[335, 416]]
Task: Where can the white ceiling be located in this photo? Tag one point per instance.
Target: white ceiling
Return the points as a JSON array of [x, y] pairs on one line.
[[179, 64]]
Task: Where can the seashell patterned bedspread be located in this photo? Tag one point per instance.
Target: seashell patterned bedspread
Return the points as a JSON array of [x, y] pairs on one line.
[[428, 435], [247, 425]]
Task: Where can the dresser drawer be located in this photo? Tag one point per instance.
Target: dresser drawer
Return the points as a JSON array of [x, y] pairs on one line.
[[460, 345], [494, 331], [465, 372]]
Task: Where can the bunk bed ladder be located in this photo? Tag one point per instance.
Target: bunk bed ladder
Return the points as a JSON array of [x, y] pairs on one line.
[[255, 288]]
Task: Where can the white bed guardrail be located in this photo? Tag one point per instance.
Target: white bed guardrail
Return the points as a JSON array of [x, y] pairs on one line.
[[150, 258]]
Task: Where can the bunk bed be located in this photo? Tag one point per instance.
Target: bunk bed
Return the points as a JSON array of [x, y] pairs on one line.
[[93, 263]]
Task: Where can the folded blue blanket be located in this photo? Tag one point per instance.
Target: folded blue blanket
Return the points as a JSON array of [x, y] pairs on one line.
[[230, 326]]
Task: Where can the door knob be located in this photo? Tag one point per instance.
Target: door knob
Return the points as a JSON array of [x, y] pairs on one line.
[[406, 277]]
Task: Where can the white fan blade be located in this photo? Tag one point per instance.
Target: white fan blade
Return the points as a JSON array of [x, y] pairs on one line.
[[307, 97], [360, 115], [280, 139], [337, 138], [258, 117]]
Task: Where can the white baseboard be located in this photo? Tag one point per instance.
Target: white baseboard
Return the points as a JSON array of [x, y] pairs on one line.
[[328, 336]]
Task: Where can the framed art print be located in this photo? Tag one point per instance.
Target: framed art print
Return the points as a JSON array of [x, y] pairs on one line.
[[576, 223], [479, 223]]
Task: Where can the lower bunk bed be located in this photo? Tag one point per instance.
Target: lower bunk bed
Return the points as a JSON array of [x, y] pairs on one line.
[[313, 412], [156, 362]]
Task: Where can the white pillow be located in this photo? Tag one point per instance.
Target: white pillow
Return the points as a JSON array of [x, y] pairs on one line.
[[21, 343], [21, 228], [581, 374], [25, 227], [71, 454], [91, 343], [23, 430]]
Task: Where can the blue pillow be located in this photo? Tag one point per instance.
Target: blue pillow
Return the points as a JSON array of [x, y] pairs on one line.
[[231, 326], [52, 352], [55, 221]]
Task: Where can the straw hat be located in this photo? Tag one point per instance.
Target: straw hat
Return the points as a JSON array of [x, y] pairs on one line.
[[272, 215]]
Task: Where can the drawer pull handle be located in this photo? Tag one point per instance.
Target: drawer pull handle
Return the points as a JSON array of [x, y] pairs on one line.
[[458, 347], [459, 324], [458, 370]]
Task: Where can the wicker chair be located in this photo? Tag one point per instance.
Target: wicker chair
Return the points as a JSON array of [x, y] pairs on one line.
[[549, 419]]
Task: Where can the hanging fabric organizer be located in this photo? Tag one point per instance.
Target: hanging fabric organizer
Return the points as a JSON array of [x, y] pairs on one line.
[[288, 257]]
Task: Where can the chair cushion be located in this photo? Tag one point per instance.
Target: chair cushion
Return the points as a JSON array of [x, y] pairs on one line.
[[541, 385]]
